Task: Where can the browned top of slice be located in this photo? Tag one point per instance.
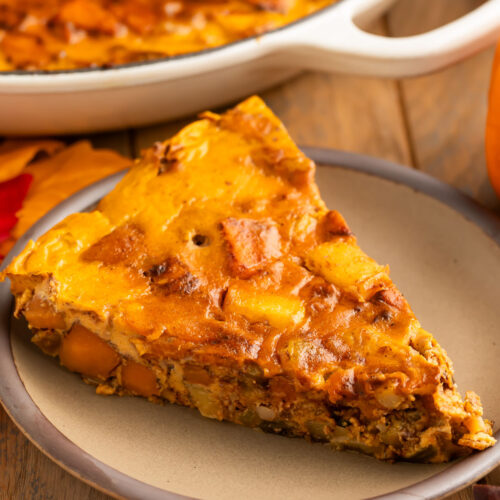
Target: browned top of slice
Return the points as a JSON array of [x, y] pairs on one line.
[[216, 247]]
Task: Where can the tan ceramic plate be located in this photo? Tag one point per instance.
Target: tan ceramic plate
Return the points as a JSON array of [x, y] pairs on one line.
[[444, 254]]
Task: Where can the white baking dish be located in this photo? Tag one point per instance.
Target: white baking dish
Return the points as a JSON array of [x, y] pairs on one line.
[[142, 93]]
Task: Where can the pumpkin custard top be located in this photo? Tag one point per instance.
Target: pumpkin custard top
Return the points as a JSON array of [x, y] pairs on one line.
[[217, 247], [68, 34]]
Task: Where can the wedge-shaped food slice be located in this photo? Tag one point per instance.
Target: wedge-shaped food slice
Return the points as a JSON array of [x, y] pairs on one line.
[[213, 276]]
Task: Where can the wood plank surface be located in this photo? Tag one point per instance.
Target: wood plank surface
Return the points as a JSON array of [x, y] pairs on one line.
[[446, 111], [27, 474], [434, 123]]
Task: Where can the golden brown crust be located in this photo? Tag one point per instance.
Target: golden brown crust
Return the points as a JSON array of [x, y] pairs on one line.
[[229, 261]]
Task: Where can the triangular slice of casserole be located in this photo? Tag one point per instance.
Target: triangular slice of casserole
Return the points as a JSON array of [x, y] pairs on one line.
[[213, 276]]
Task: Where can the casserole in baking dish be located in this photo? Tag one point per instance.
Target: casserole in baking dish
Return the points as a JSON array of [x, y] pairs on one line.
[[140, 93], [68, 34]]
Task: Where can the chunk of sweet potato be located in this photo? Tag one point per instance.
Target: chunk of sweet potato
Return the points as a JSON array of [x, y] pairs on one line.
[[40, 314], [24, 51], [84, 352], [196, 375], [88, 16], [139, 379]]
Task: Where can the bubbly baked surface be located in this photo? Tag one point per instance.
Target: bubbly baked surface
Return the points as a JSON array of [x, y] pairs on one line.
[[69, 34], [214, 276]]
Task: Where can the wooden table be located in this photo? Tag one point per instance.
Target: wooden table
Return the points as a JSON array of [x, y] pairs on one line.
[[433, 123]]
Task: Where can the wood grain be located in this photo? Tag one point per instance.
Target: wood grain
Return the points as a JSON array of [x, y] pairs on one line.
[[434, 123], [27, 474], [446, 111]]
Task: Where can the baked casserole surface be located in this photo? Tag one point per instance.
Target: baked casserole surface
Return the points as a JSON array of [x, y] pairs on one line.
[[213, 276], [69, 34]]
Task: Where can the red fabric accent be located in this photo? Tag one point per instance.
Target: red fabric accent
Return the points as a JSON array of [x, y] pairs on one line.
[[12, 194]]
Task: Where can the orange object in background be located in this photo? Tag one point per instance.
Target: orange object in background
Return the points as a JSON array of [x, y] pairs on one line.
[[36, 175], [493, 125]]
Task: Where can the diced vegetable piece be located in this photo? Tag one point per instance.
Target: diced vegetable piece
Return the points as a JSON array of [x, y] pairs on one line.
[[346, 266], [475, 424], [319, 430], [40, 314], [388, 398], [206, 403], [89, 16], [84, 352], [266, 413], [24, 50], [139, 379], [251, 244], [250, 418], [279, 311], [196, 375]]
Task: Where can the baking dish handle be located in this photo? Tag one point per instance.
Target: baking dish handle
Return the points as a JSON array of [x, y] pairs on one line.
[[336, 43]]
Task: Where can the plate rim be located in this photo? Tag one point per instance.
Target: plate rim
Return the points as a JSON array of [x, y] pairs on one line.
[[49, 440]]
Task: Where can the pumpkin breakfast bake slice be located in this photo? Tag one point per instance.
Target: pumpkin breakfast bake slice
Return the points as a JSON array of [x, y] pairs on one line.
[[213, 276]]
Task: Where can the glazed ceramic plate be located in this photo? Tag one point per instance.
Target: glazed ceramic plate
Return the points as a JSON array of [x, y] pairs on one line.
[[444, 255]]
